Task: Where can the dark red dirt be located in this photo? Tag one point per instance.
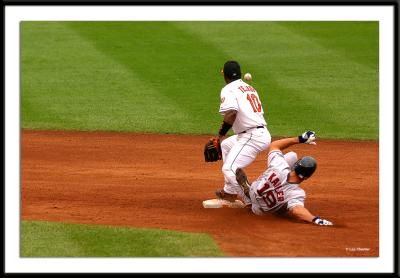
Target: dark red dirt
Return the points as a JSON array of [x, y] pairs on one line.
[[160, 181]]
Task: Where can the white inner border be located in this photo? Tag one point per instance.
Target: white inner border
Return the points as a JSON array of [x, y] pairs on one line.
[[383, 14]]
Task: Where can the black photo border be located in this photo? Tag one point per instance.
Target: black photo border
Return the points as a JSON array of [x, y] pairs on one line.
[[396, 170]]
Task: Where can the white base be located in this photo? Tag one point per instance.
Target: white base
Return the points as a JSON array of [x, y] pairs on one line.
[[218, 203]]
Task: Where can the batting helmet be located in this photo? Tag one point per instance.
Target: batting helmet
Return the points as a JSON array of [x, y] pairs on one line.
[[305, 167]]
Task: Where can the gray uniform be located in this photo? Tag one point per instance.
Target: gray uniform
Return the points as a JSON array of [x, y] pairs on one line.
[[271, 192]]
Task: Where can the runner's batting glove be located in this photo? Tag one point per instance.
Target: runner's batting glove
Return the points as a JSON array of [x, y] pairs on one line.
[[308, 137], [319, 221]]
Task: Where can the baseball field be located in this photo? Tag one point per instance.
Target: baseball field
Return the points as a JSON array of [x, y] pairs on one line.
[[115, 115]]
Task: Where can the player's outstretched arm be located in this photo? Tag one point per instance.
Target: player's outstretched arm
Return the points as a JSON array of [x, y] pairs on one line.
[[307, 137], [282, 144], [303, 214]]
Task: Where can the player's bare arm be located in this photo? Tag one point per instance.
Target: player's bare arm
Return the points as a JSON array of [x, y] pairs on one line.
[[303, 214], [229, 119], [282, 144], [307, 137], [230, 116]]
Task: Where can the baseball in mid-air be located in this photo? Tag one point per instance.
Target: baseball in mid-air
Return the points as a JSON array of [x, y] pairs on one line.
[[247, 76]]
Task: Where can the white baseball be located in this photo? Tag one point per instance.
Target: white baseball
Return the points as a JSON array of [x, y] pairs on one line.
[[247, 76]]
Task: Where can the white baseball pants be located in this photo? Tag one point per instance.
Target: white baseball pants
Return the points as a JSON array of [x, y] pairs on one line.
[[238, 151]]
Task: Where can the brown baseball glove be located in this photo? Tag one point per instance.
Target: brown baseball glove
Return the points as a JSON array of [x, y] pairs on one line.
[[212, 150]]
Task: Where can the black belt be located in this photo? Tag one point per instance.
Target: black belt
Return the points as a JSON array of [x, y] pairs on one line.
[[260, 126]]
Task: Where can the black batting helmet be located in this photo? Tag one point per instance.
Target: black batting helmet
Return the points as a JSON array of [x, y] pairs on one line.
[[305, 167]]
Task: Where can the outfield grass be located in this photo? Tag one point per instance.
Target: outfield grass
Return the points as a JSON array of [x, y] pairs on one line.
[[163, 77], [51, 239]]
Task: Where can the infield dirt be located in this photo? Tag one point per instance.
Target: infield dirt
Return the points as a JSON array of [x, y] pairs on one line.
[[160, 181]]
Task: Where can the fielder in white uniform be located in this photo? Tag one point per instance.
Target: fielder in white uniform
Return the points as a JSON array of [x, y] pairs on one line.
[[277, 190], [243, 112]]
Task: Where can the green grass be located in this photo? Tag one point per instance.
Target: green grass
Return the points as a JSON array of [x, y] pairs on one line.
[[50, 239], [163, 77]]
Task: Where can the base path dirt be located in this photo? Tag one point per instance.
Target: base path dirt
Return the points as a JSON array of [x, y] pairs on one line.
[[160, 181]]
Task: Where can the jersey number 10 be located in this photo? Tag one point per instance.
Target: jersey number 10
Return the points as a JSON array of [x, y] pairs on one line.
[[255, 102]]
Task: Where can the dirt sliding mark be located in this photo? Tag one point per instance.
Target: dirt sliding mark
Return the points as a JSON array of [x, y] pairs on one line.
[[160, 181]]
